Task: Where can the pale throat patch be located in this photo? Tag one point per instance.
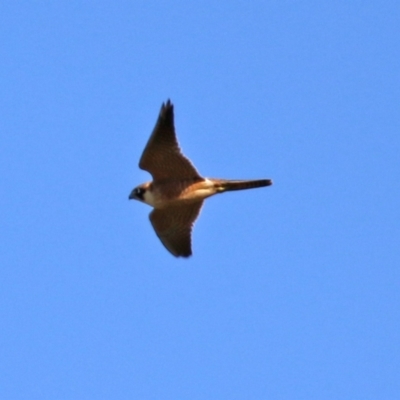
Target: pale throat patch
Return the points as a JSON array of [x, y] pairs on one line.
[[148, 198]]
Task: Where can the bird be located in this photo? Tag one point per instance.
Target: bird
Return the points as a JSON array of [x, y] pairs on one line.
[[177, 191]]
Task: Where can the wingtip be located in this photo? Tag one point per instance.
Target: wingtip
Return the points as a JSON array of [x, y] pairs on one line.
[[183, 255], [166, 107], [167, 104]]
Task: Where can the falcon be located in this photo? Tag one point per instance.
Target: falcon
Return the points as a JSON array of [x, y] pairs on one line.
[[177, 191]]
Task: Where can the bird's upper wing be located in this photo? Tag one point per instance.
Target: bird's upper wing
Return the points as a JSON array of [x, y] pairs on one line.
[[162, 156], [173, 225]]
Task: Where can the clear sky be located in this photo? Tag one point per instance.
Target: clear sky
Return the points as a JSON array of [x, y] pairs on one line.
[[293, 291]]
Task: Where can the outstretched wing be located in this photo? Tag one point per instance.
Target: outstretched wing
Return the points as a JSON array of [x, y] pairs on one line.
[[162, 156], [173, 225]]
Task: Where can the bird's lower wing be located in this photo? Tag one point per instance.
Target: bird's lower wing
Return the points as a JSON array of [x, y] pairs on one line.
[[173, 225]]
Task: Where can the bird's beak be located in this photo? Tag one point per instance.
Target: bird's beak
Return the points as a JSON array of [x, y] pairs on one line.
[[132, 195]]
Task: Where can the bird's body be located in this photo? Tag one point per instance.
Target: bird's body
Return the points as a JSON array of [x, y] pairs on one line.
[[177, 191], [166, 193]]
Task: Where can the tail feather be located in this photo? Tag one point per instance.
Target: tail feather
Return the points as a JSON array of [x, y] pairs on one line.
[[228, 185]]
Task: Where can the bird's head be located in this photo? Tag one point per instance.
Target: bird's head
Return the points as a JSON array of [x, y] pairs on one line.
[[139, 192]]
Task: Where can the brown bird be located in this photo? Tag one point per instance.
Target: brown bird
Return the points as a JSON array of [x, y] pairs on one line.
[[177, 190]]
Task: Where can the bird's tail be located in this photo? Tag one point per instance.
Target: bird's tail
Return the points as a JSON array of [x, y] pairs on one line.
[[224, 185]]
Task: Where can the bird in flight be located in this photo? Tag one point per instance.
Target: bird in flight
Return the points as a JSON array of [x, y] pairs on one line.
[[177, 191]]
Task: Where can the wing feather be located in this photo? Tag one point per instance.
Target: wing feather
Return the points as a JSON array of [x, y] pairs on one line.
[[162, 156], [173, 225]]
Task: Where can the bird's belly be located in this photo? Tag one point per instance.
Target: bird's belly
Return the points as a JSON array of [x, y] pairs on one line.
[[170, 193], [199, 190], [197, 194]]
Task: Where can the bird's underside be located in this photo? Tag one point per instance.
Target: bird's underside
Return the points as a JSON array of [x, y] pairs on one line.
[[177, 191]]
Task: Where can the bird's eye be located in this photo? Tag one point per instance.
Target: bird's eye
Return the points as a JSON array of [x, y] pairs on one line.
[[139, 193]]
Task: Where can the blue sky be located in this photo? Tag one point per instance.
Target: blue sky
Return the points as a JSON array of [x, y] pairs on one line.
[[292, 291]]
